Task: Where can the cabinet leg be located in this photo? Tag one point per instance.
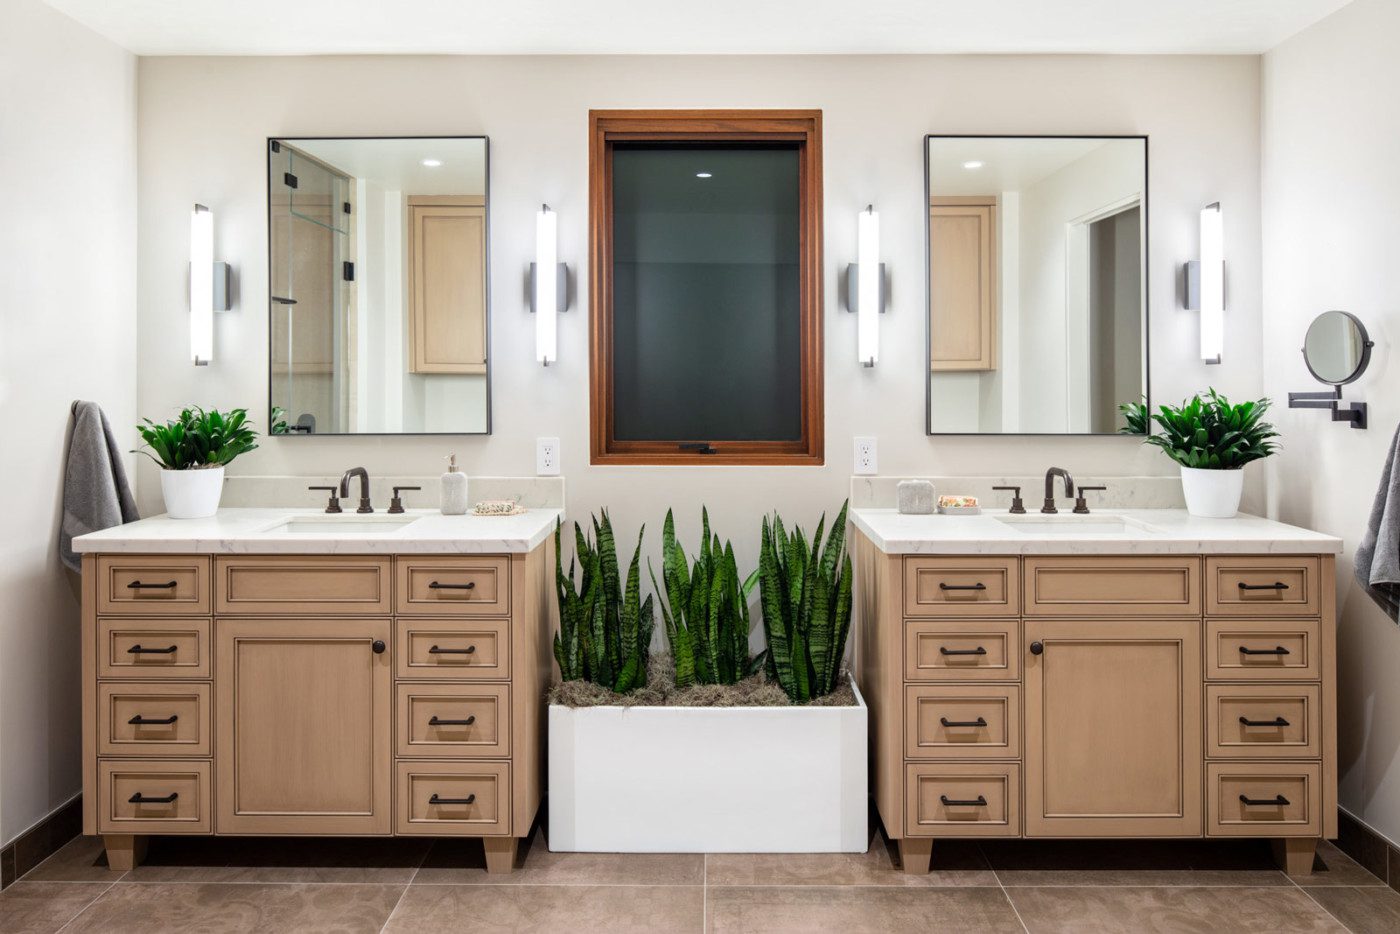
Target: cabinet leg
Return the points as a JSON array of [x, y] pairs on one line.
[[500, 854], [1294, 855], [915, 854], [124, 851]]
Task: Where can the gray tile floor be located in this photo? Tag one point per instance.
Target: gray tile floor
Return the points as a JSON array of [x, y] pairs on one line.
[[274, 885]]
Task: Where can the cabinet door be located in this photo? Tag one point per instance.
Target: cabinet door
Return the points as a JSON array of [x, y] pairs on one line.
[[447, 293], [1113, 728], [304, 713], [962, 284]]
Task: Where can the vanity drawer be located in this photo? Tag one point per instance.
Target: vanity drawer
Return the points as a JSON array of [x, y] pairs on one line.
[[962, 650], [1126, 586], [971, 721], [152, 585], [153, 648], [153, 797], [1270, 586], [454, 586], [962, 799], [302, 585], [155, 719], [467, 798], [1263, 721], [1286, 799], [456, 649], [1267, 650], [961, 587], [454, 720]]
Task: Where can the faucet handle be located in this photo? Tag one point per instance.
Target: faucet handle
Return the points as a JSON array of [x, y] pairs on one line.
[[396, 504], [1081, 505], [1018, 507], [334, 504]]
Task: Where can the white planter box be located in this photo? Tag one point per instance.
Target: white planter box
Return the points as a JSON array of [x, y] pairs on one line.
[[708, 779]]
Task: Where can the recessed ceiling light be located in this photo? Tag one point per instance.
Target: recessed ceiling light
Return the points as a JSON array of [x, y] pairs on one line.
[[432, 163], [974, 164], [703, 175]]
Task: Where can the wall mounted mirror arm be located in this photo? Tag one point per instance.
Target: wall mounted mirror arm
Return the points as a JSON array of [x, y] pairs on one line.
[[1336, 351], [1353, 412]]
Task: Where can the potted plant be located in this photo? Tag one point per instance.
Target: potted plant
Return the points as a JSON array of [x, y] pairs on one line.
[[192, 451], [1212, 439], [710, 753]]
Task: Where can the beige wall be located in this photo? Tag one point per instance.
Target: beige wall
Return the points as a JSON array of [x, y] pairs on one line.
[[1331, 177], [202, 129], [67, 331]]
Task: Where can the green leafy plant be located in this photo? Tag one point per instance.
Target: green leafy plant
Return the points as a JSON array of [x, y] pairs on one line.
[[604, 631], [1207, 432], [1135, 420], [805, 595], [706, 609], [279, 424], [198, 438]]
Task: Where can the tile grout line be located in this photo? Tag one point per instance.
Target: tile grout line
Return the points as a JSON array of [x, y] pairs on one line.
[[1308, 895], [80, 911], [704, 892], [427, 851], [1001, 885]]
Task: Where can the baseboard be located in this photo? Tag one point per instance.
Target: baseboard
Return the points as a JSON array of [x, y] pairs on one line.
[[1373, 851], [41, 841]]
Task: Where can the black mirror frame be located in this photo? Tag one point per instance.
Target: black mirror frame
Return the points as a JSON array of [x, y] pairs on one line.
[[1361, 365]]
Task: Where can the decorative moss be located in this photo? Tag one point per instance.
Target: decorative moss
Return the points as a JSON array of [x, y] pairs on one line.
[[660, 691]]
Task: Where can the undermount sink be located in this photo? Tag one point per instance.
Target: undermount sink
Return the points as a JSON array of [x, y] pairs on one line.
[[1075, 525], [331, 525]]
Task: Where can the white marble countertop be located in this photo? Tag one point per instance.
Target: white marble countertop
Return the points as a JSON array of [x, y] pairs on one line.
[[1104, 532], [255, 531]]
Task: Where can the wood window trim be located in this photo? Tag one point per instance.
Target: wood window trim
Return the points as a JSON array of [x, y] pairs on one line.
[[609, 126]]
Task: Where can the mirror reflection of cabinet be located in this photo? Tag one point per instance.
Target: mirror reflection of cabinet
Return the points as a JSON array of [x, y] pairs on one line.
[[962, 266], [447, 288]]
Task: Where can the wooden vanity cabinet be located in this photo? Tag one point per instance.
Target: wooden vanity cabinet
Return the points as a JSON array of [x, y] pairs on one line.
[[1099, 696], [278, 695]]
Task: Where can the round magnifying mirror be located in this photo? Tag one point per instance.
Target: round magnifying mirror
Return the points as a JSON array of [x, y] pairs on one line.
[[1336, 348]]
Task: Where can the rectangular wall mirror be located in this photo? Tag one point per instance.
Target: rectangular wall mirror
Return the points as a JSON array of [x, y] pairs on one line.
[[378, 288], [1037, 283]]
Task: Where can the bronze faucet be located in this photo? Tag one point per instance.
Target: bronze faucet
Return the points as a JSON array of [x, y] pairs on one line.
[[364, 487], [1050, 475]]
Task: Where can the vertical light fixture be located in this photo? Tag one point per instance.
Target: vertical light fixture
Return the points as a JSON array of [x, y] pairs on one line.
[[869, 298], [201, 285], [546, 300], [1212, 284]]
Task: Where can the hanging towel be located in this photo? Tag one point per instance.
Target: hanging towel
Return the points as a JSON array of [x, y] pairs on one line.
[[1378, 555], [95, 492]]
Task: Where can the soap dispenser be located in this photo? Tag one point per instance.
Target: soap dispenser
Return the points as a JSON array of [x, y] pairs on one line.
[[454, 489]]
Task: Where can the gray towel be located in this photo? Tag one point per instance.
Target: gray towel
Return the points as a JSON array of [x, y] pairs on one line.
[[95, 492], [1378, 555]]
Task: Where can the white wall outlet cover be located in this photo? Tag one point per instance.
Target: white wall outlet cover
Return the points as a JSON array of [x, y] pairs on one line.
[[547, 457], [867, 459]]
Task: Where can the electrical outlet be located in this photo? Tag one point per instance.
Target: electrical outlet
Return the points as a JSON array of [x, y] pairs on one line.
[[866, 457], [547, 457]]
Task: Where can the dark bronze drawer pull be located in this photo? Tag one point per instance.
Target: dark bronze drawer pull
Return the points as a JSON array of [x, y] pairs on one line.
[[469, 799], [142, 585], [944, 650], [138, 649], [437, 721], [946, 586], [1276, 650], [1276, 585], [948, 802], [469, 650], [1276, 721], [436, 585], [946, 722], [139, 720], [1275, 801], [139, 798]]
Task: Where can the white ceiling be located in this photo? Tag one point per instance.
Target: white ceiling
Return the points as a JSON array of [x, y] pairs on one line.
[[397, 164], [295, 27], [1007, 163]]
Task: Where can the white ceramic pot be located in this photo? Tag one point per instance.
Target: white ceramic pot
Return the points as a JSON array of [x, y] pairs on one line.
[[192, 494], [1212, 494], [708, 779]]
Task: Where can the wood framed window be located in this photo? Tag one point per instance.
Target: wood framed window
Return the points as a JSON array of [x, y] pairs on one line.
[[705, 308]]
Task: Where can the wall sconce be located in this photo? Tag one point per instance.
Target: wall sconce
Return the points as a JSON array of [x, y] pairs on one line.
[[1205, 284], [209, 290], [549, 286], [865, 287]]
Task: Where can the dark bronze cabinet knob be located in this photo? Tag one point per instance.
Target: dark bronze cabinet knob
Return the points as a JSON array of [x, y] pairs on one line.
[[1037, 648], [378, 646]]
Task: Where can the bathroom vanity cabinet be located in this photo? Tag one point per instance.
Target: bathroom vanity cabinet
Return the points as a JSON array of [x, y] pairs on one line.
[[1088, 693], [315, 694]]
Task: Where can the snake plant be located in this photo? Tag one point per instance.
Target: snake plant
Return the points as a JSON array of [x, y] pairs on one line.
[[1207, 432], [805, 595], [706, 609], [604, 629]]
